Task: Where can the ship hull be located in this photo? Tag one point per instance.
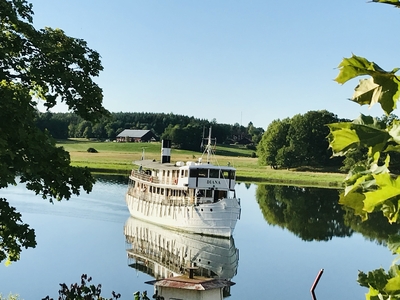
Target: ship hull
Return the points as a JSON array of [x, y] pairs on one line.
[[213, 219]]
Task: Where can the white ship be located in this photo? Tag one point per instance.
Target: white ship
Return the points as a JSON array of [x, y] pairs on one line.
[[197, 197]]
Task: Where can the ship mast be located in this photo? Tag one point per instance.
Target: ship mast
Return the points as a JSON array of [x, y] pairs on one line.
[[209, 145]]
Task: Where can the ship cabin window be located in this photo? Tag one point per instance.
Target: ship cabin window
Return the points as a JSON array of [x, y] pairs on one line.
[[199, 173], [204, 193], [199, 193], [214, 173], [228, 174], [221, 194], [193, 173]]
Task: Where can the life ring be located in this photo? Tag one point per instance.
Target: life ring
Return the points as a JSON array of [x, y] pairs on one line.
[[151, 179], [175, 180]]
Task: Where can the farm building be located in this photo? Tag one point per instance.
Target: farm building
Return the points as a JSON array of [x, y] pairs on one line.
[[133, 135]]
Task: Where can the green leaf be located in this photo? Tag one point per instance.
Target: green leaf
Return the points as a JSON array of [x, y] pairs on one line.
[[354, 200], [376, 279], [394, 148], [394, 244], [391, 2], [395, 132], [355, 66], [367, 92], [382, 86], [388, 188], [388, 93], [347, 136], [372, 294], [390, 210], [342, 138], [393, 285]]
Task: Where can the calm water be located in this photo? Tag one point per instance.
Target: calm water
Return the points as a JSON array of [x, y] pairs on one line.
[[280, 261]]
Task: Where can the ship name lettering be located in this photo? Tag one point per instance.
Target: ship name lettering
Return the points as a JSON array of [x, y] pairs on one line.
[[213, 181]]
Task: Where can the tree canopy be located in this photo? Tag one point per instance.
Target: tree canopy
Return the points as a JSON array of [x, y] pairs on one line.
[[298, 141], [39, 65]]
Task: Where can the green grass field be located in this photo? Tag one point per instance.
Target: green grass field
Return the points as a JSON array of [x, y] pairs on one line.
[[117, 158]]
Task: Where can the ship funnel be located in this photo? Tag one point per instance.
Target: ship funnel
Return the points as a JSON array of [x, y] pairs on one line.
[[191, 271], [165, 151]]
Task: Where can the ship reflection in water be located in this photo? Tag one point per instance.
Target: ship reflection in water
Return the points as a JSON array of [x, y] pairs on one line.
[[169, 255]]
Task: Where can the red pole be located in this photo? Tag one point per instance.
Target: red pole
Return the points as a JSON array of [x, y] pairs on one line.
[[314, 285]]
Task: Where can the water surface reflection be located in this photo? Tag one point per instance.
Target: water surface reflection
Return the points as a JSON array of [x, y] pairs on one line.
[[164, 253], [282, 245], [314, 214]]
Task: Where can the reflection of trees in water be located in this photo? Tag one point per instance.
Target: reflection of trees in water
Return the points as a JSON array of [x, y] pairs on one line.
[[247, 185], [375, 228], [315, 214], [310, 213]]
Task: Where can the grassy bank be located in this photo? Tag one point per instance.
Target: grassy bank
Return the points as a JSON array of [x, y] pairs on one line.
[[117, 158]]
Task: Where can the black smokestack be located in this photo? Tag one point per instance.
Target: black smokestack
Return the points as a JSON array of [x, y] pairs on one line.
[[165, 151]]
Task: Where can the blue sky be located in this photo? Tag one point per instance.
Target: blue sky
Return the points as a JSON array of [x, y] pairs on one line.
[[235, 61]]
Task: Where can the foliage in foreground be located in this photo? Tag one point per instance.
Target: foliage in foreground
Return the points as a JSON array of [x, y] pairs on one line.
[[10, 297], [86, 291], [39, 65], [372, 186], [82, 291], [382, 284]]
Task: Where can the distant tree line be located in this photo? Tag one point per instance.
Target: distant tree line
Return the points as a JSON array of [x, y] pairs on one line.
[[184, 131], [289, 143]]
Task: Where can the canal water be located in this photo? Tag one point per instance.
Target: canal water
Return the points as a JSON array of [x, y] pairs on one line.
[[285, 236]]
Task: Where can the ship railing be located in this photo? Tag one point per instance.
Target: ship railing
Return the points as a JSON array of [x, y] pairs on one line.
[[144, 176], [178, 201], [168, 180], [168, 200], [161, 256]]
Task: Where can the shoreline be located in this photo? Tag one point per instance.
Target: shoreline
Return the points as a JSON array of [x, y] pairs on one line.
[[309, 179], [117, 158]]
